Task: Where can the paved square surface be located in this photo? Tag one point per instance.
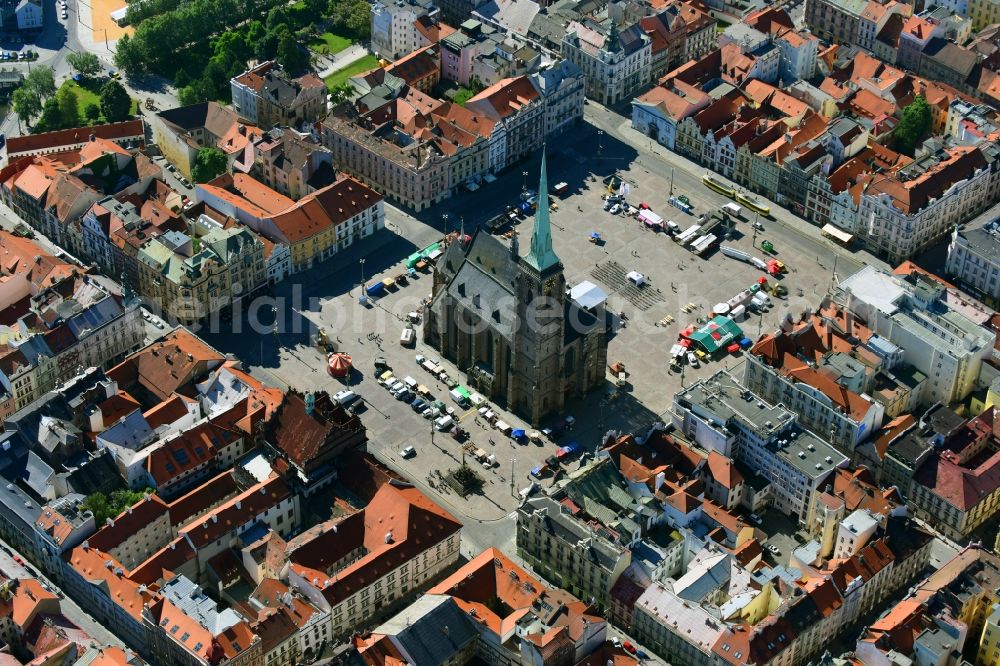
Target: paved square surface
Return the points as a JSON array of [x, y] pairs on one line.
[[327, 298]]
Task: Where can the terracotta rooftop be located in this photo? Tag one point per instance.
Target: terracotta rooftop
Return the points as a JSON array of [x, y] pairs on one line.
[[51, 141], [326, 208], [489, 578], [723, 470], [168, 365], [397, 525], [99, 568], [127, 523], [236, 512]]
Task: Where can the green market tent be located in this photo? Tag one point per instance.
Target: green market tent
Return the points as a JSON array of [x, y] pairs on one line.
[[717, 334]]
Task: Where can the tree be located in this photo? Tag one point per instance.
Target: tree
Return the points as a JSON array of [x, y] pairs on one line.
[[69, 107], [208, 164], [84, 62], [115, 102], [341, 93], [42, 81], [92, 112], [914, 126], [191, 94], [26, 104], [104, 507], [128, 56], [51, 118], [291, 55], [352, 15]]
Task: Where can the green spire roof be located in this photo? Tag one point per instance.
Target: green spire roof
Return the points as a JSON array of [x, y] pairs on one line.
[[541, 256]]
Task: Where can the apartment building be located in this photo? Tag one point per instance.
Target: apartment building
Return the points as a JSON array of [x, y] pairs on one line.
[[359, 564], [561, 86], [399, 27], [983, 13], [292, 163], [720, 415], [956, 484], [189, 276], [900, 214], [518, 113], [914, 314], [265, 96], [412, 174], [658, 112], [68, 320], [831, 395], [616, 65], [567, 551], [974, 256], [483, 53], [671, 625], [180, 133], [532, 621], [836, 21]]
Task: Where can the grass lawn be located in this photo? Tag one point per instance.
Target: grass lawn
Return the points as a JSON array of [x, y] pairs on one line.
[[329, 43], [88, 92], [357, 67], [462, 96]]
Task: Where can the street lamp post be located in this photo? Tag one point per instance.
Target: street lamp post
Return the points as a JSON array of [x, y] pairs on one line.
[[512, 461], [600, 143], [524, 181], [362, 277], [444, 218], [671, 181]]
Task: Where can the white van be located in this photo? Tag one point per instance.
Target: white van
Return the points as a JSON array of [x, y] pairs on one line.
[[673, 227], [410, 382], [346, 398], [444, 423], [407, 337]]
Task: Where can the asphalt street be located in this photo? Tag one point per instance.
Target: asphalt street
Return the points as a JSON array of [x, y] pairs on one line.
[[60, 37]]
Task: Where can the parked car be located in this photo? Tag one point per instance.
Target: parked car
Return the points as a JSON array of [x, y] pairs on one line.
[[615, 209], [418, 405], [693, 360], [774, 549], [408, 452]]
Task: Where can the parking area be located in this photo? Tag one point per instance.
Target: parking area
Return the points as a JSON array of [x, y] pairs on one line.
[[679, 289], [393, 425]]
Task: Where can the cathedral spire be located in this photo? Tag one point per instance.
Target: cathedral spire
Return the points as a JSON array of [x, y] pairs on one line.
[[541, 257]]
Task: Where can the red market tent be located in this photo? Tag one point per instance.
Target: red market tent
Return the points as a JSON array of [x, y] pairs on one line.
[[339, 364]]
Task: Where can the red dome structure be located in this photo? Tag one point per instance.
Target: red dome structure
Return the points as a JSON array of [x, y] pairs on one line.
[[339, 364]]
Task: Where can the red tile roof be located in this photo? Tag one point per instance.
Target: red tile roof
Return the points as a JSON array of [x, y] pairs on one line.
[[52, 141], [398, 524], [236, 512], [171, 364], [328, 207], [128, 522], [205, 497], [723, 470], [99, 568]]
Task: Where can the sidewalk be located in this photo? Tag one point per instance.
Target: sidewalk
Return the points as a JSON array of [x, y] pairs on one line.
[[341, 60]]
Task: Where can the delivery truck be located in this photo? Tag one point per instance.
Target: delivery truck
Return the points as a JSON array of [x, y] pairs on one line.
[[732, 252], [732, 210]]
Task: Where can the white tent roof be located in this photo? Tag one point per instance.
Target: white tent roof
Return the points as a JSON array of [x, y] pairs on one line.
[[588, 295]]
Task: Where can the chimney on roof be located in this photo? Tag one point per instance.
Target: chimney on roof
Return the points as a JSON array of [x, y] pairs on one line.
[[93, 137]]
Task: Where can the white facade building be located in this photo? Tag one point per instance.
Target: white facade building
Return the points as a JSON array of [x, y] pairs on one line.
[[911, 313], [616, 65], [974, 256]]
